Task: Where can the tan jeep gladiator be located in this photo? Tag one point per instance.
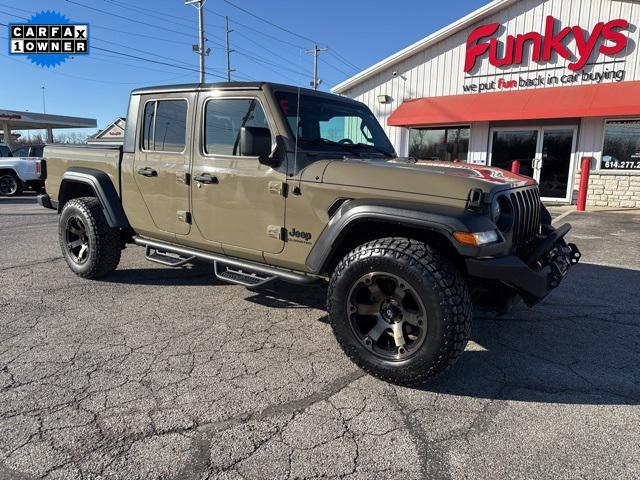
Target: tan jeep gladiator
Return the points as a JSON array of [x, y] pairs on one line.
[[269, 182]]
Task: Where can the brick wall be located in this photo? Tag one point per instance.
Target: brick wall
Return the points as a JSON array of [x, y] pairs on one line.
[[614, 190]]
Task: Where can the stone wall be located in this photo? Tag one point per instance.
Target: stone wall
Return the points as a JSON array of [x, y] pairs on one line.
[[613, 189]]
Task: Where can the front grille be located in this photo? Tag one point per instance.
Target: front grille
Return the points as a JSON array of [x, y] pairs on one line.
[[526, 217]]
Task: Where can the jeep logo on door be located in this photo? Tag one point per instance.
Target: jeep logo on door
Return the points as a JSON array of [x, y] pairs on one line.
[[571, 43], [298, 236]]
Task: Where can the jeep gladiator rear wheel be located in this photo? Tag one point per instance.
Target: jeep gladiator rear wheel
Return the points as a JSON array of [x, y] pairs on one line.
[[10, 184], [400, 310], [90, 247]]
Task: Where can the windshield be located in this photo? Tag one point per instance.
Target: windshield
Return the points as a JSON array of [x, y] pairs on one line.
[[332, 125], [4, 151]]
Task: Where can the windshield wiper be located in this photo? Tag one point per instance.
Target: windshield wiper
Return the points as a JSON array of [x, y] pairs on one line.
[[331, 143], [373, 147]]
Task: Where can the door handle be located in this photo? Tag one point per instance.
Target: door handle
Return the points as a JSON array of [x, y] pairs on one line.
[[206, 179], [147, 172]]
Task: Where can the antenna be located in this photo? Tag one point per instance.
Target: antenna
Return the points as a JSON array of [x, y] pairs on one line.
[[229, 50]]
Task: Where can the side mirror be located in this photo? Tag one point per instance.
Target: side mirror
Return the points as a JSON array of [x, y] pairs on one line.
[[256, 142]]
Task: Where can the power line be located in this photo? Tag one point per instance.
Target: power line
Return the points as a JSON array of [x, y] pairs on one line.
[[269, 22], [137, 22]]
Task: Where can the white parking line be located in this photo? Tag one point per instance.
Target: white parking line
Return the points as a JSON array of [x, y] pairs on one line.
[[565, 214]]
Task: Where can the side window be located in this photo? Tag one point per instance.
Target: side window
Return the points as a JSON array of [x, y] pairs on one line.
[[164, 126], [223, 120], [38, 151], [21, 152], [147, 125]]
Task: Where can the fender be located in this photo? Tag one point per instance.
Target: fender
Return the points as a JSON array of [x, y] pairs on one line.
[[435, 218], [103, 188]]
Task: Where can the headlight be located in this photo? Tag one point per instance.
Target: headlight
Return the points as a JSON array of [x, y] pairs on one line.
[[496, 210], [502, 213]]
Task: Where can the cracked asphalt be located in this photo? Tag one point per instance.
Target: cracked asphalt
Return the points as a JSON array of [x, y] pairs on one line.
[[160, 373]]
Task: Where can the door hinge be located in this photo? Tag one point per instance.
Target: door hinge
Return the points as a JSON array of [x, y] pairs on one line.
[[182, 177], [278, 188], [276, 231], [184, 217]]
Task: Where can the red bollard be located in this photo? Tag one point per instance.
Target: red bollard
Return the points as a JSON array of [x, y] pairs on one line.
[[515, 166], [585, 166]]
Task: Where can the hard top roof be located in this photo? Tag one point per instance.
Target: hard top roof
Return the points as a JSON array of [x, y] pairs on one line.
[[200, 87]]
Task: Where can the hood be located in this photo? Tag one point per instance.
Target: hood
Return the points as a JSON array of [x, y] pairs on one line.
[[442, 179]]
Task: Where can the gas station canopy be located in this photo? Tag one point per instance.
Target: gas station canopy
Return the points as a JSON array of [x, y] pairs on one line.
[[14, 120]]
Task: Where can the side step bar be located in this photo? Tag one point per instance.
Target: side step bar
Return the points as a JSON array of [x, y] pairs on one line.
[[232, 264], [241, 277], [161, 257]]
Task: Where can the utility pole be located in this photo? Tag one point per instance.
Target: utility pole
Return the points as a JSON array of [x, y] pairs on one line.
[[229, 69], [44, 103], [315, 83], [199, 4]]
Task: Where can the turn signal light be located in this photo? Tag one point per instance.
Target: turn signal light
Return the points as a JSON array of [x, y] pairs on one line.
[[476, 239]]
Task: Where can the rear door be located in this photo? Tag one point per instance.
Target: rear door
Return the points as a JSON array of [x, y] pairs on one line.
[[161, 163], [241, 203]]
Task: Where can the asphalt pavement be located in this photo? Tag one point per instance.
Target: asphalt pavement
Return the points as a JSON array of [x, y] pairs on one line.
[[160, 373]]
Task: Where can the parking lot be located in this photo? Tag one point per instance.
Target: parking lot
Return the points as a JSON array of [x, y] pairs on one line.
[[160, 373]]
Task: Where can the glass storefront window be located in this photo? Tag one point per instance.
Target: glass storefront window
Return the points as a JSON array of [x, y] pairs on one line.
[[445, 144], [621, 149]]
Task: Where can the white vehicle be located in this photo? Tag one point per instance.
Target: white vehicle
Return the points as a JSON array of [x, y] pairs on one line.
[[18, 173]]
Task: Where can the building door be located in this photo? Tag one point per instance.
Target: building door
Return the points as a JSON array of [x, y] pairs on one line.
[[545, 154]]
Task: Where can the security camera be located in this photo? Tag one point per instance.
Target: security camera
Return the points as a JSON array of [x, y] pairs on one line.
[[396, 74]]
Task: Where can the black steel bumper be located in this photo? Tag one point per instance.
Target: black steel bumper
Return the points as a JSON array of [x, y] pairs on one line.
[[535, 275], [45, 201]]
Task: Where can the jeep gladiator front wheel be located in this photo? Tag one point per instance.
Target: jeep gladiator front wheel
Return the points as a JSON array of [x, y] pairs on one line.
[[400, 310], [89, 245]]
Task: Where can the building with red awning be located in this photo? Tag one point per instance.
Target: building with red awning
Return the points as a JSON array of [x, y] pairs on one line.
[[536, 82]]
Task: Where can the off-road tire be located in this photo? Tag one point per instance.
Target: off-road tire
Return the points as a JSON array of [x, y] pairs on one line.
[[19, 187], [436, 281], [104, 242]]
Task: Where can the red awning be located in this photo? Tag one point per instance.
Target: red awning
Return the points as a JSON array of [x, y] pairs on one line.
[[604, 100]]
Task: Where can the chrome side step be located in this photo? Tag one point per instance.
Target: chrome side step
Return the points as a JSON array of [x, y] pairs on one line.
[[239, 276], [188, 254]]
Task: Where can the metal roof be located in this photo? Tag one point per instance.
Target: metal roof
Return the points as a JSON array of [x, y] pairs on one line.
[[423, 44], [30, 120]]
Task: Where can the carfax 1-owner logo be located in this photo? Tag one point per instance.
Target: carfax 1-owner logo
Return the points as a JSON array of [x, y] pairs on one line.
[[48, 38]]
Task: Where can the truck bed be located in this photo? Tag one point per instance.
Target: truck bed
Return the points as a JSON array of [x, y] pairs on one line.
[[59, 158]]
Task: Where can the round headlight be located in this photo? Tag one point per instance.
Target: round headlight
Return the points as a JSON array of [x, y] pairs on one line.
[[501, 213], [496, 211]]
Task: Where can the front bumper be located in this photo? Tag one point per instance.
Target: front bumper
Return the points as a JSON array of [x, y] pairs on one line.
[[535, 275]]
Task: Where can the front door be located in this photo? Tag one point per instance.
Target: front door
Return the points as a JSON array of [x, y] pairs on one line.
[[161, 164], [545, 154], [237, 201]]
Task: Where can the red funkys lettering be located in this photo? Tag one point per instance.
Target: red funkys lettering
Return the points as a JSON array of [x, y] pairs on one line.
[[476, 49], [585, 46], [611, 32], [543, 47], [553, 43]]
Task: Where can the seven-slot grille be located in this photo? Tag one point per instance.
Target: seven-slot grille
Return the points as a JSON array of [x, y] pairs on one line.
[[526, 217]]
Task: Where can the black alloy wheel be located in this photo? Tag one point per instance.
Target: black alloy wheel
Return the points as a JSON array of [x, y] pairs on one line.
[[387, 316]]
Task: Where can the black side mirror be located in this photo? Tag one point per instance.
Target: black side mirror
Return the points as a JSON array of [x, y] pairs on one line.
[[256, 142]]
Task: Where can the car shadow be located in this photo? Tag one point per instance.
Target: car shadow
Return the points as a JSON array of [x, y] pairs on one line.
[[580, 345], [195, 274]]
